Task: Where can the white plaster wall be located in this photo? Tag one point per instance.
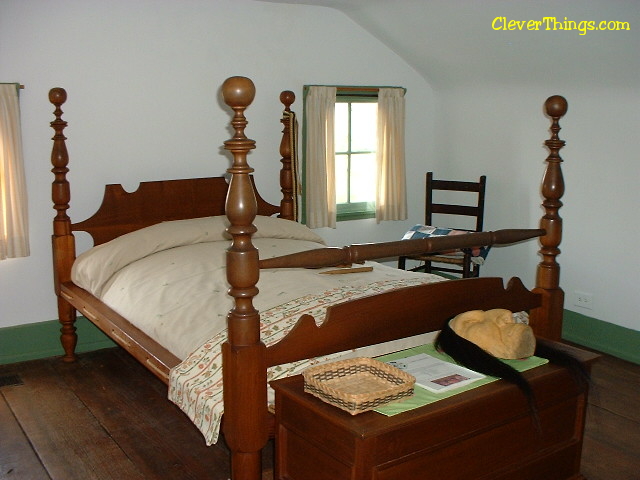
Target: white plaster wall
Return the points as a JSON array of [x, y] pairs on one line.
[[142, 78], [501, 132]]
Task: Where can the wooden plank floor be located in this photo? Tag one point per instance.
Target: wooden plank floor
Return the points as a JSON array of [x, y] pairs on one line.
[[106, 417]]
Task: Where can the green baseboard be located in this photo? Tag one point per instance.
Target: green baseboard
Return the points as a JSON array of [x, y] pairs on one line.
[[604, 337], [42, 340]]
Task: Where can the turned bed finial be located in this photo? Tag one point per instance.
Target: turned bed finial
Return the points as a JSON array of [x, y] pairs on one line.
[[287, 98], [548, 271], [238, 93], [556, 106], [57, 96]]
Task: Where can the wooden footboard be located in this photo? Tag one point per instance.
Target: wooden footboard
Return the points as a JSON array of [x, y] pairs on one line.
[[397, 314]]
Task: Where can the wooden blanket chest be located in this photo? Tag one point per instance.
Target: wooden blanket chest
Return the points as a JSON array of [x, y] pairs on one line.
[[485, 433]]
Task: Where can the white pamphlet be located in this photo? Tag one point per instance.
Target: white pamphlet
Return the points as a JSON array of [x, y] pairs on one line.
[[434, 374]]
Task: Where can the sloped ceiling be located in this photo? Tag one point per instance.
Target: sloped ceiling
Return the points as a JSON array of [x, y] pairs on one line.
[[451, 42]]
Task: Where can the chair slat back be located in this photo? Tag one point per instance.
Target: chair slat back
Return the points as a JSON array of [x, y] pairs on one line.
[[475, 210]]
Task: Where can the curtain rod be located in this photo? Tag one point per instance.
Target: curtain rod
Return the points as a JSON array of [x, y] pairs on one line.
[[20, 86], [355, 88], [358, 89], [364, 91]]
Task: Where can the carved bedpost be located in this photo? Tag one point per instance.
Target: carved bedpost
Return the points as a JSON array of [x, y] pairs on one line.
[[547, 321], [244, 361], [287, 172], [63, 242]]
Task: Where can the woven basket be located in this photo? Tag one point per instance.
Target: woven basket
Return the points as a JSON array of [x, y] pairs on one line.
[[359, 384]]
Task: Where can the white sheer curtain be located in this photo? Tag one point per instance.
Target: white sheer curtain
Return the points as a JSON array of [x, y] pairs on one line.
[[320, 157], [14, 232], [391, 197]]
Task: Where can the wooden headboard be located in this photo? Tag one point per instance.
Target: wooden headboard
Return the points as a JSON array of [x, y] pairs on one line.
[[154, 202]]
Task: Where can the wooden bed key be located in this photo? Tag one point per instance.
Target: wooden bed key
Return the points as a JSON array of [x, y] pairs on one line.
[[340, 271]]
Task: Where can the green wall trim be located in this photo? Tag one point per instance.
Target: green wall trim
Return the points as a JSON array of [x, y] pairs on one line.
[[42, 340], [604, 337]]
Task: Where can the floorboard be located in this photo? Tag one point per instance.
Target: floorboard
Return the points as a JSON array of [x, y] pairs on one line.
[[17, 457], [611, 449], [155, 440], [70, 442], [106, 417]]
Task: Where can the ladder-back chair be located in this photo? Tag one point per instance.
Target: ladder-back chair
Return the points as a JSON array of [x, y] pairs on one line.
[[456, 262]]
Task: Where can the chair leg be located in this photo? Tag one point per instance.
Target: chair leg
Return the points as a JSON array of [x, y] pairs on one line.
[[466, 266], [476, 271], [402, 263]]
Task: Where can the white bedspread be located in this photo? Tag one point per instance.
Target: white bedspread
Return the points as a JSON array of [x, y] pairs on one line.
[[170, 281]]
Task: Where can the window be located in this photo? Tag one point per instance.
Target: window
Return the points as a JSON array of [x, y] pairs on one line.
[[353, 154], [355, 137]]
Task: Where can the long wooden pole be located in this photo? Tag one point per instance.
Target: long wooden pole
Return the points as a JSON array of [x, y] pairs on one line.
[[357, 253]]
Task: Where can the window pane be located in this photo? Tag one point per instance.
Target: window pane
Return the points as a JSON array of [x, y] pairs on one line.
[[364, 120], [341, 127], [342, 178], [363, 177]]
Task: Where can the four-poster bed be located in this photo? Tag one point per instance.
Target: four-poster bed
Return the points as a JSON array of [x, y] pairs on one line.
[[395, 312]]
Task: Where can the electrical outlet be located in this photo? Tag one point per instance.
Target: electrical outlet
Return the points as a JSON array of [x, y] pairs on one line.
[[583, 299]]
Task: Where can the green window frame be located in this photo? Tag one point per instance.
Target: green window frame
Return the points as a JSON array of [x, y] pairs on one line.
[[354, 210]]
